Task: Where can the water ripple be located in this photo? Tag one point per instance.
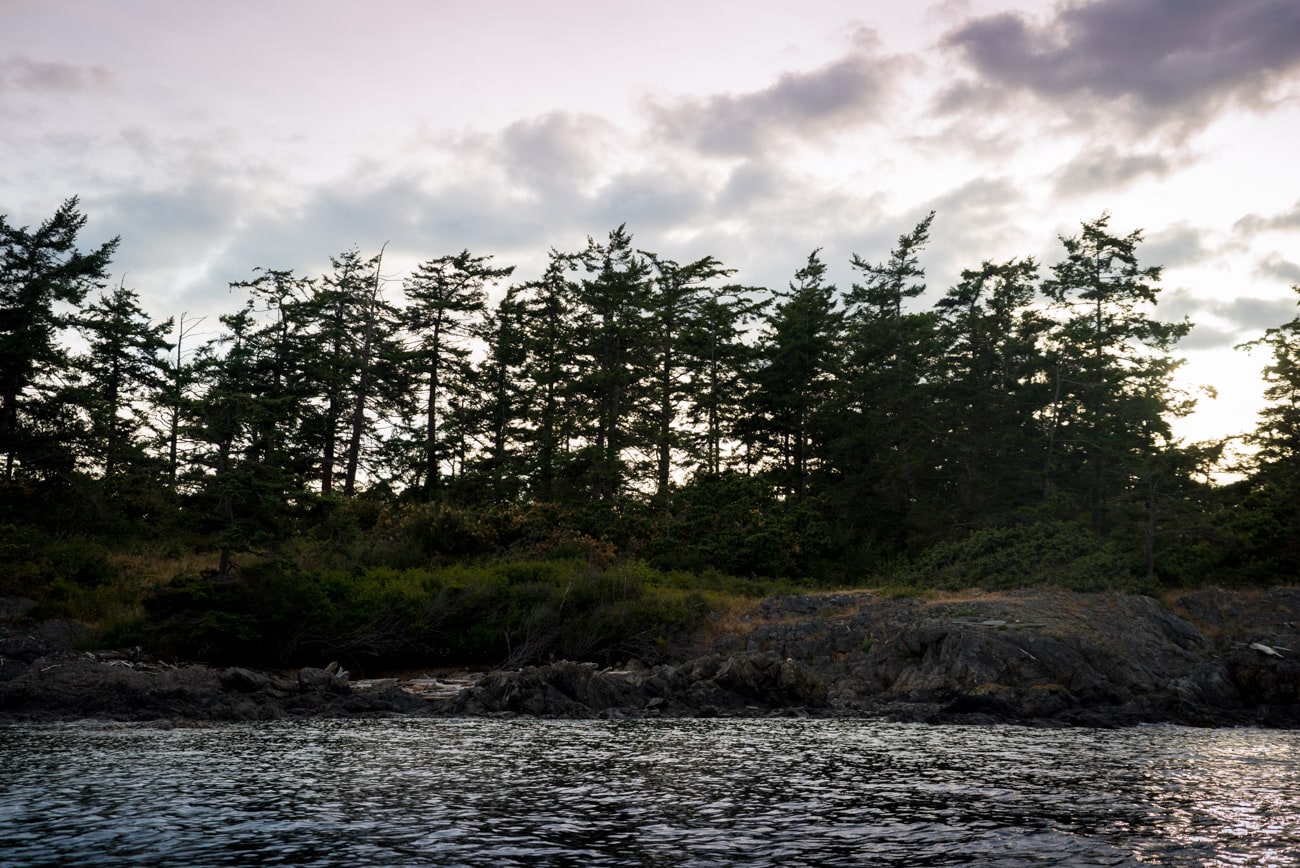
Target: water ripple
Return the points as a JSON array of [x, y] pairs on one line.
[[717, 792]]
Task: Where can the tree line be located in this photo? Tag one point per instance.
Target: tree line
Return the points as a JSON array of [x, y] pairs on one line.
[[811, 429]]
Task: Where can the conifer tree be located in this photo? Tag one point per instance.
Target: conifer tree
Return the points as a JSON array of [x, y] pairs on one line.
[[675, 302], [990, 387], [883, 411], [122, 374], [282, 349], [1267, 522], [42, 275], [180, 379], [360, 367], [550, 349], [446, 298], [241, 479], [1111, 370], [797, 364], [616, 358], [719, 365], [501, 402]]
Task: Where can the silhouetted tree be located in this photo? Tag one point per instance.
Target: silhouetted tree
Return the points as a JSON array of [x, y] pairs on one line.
[[446, 299], [884, 445], [122, 374], [797, 364], [676, 299], [990, 386], [1112, 395], [42, 273], [615, 358]]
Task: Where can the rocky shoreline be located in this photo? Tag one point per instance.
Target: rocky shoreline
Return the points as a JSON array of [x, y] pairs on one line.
[[1038, 657]]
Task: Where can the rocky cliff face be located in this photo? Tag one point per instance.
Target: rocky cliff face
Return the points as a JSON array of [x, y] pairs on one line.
[[1043, 657]]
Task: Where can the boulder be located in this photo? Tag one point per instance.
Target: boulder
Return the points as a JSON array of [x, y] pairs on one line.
[[313, 679]]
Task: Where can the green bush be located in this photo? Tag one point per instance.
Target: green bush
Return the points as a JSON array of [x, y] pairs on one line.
[[1052, 553], [490, 613]]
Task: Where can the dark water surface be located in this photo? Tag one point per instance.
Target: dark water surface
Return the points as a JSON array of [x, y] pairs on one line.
[[715, 792]]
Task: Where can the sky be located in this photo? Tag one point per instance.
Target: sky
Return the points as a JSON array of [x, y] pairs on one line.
[[218, 137]]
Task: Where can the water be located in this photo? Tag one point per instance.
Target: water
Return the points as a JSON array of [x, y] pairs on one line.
[[715, 792]]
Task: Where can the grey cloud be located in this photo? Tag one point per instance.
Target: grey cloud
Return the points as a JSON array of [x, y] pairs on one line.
[[748, 184], [1211, 328], [168, 227], [1258, 313], [657, 199], [970, 98], [1106, 168], [801, 105], [1223, 322], [421, 217], [979, 197], [1177, 245], [1277, 266], [1207, 337], [553, 154], [43, 76], [1162, 62], [1175, 304], [1287, 220], [973, 222]]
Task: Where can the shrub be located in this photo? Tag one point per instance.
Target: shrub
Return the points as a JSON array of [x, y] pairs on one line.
[[1055, 553]]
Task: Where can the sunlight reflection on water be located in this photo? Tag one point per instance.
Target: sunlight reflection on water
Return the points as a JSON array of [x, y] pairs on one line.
[[757, 792]]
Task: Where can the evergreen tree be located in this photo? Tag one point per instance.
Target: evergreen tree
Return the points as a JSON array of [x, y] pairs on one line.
[[884, 337], [990, 387], [500, 406], [381, 386], [122, 376], [550, 368], [42, 276], [885, 445], [177, 392], [1111, 371], [361, 368], [676, 302], [281, 350], [792, 383], [615, 359], [1267, 522], [446, 298], [241, 480], [719, 363]]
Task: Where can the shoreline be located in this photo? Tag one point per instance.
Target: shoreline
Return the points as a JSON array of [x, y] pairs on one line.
[[1034, 657]]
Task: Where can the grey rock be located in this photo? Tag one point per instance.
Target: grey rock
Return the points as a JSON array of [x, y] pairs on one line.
[[312, 679]]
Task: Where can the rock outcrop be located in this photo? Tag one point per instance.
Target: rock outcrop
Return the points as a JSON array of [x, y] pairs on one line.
[[1042, 657], [44, 677]]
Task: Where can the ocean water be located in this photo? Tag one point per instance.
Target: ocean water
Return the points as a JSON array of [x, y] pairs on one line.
[[679, 792]]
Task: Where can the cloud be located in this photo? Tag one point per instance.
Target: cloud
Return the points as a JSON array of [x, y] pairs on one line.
[[555, 154], [42, 76], [974, 221], [1177, 245], [1258, 313], [653, 198], [1159, 63], [1207, 337], [1285, 221], [1105, 168], [1277, 266], [1223, 322], [846, 93]]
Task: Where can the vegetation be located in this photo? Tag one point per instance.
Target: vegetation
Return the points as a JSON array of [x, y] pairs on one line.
[[574, 465]]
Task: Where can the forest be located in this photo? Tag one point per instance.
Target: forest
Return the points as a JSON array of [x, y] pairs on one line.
[[455, 464]]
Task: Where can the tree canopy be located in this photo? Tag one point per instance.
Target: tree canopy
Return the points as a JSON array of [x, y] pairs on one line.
[[643, 403]]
